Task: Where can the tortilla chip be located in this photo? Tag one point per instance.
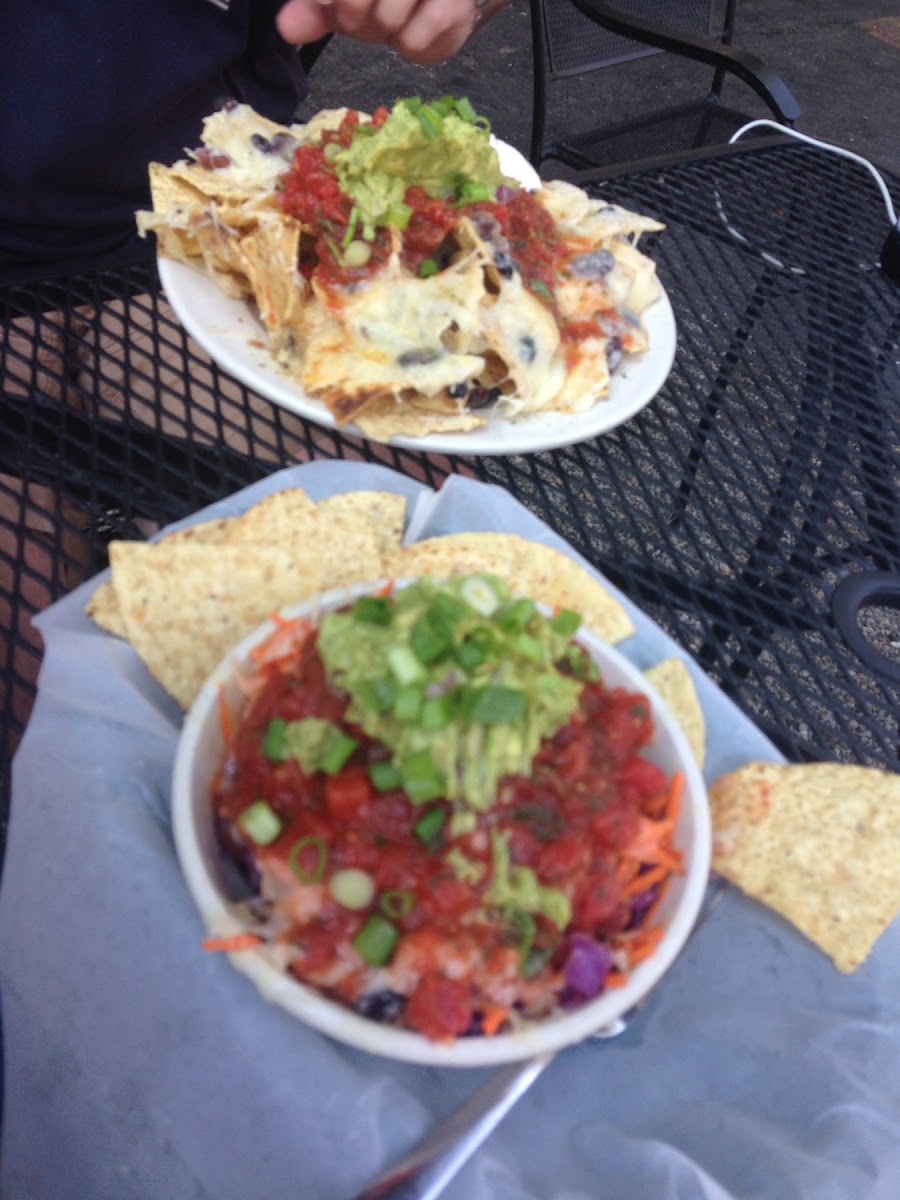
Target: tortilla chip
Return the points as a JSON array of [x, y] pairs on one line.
[[528, 568], [385, 511], [273, 518], [103, 606], [343, 542], [388, 417], [185, 606], [673, 681], [819, 843]]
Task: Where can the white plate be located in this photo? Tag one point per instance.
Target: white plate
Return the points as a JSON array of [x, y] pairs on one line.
[[232, 335]]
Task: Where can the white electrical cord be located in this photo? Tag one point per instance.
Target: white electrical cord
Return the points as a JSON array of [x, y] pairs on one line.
[[802, 137]]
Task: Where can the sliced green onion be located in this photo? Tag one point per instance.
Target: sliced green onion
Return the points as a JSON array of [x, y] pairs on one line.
[[404, 665], [352, 222], [479, 594], [273, 742], [448, 607], [427, 268], [495, 704], [408, 703], [398, 214], [436, 713], [470, 191], [397, 904], [337, 752], [430, 120], [444, 105], [412, 103], [529, 647], [428, 827], [421, 779], [385, 775], [536, 958], [470, 653], [430, 638], [513, 618], [331, 150], [540, 289], [377, 610], [465, 110], [352, 888], [376, 940], [357, 254], [306, 847], [260, 823], [566, 622]]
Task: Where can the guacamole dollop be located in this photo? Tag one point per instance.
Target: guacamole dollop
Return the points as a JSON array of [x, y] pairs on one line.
[[459, 680], [443, 147]]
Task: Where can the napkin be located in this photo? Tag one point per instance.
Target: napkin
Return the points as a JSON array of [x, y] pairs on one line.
[[140, 1068]]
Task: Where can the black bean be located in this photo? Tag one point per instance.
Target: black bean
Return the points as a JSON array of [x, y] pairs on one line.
[[260, 142], [385, 1006], [420, 357], [504, 264], [481, 397], [527, 348], [592, 265], [614, 353], [457, 390]]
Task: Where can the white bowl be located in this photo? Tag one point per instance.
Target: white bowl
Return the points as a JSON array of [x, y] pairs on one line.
[[201, 751]]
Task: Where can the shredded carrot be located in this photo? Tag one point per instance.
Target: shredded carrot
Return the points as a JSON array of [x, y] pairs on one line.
[[643, 944], [651, 844], [673, 807], [235, 941], [640, 883], [615, 978], [492, 1017], [650, 915], [386, 589]]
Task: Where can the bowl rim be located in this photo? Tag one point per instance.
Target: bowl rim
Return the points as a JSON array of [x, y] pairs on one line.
[[340, 1022]]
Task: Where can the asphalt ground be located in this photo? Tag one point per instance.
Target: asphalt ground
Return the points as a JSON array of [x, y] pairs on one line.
[[841, 59]]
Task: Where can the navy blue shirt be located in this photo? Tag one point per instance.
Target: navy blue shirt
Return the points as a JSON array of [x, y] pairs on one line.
[[91, 91]]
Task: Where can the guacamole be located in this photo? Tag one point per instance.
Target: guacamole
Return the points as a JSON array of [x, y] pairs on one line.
[[459, 680], [443, 147]]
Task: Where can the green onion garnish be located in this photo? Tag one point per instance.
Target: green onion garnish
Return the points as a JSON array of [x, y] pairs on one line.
[[260, 823], [385, 775], [376, 940], [421, 780], [273, 742], [337, 752], [352, 222], [377, 610], [427, 268], [429, 826], [566, 622], [495, 704], [307, 846], [430, 120]]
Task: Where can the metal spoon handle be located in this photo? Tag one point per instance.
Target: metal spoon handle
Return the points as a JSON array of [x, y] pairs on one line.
[[428, 1168]]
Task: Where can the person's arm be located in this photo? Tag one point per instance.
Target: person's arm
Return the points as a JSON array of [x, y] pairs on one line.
[[424, 31]]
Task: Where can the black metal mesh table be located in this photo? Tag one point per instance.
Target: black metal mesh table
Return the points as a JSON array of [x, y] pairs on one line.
[[764, 473]]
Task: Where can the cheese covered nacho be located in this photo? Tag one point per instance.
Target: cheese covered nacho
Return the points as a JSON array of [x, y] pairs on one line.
[[402, 280]]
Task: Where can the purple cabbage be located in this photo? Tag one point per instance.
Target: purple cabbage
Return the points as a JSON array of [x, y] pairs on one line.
[[585, 969]]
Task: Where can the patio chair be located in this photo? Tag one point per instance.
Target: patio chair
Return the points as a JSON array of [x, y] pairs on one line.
[[573, 37]]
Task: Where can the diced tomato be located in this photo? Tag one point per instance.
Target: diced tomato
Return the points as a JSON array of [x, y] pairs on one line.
[[616, 826], [451, 895], [646, 778], [440, 1008], [598, 898], [348, 794], [562, 859]]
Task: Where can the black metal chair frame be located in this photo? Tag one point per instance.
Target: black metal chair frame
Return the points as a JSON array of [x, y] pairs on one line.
[[718, 53]]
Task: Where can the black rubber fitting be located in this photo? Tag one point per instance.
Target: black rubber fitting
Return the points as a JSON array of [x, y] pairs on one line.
[[890, 254], [852, 595]]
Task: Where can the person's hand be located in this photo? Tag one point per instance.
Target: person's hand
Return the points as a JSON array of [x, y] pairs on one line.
[[424, 31]]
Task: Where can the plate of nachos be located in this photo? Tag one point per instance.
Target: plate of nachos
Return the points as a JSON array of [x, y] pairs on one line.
[[407, 277]]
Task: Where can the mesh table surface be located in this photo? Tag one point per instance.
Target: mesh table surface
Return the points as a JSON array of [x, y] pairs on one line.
[[765, 472]]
